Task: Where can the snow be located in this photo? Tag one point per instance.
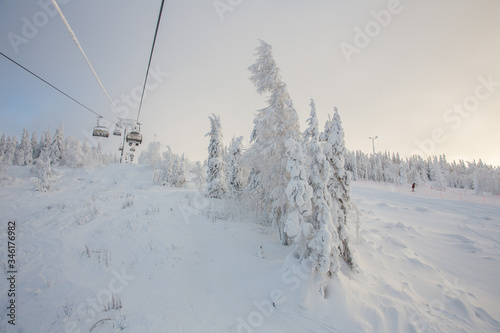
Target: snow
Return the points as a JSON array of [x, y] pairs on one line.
[[179, 262]]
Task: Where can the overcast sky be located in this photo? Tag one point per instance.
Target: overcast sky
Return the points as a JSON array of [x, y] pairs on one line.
[[423, 76]]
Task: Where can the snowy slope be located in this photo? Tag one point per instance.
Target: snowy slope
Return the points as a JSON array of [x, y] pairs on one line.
[[175, 262]]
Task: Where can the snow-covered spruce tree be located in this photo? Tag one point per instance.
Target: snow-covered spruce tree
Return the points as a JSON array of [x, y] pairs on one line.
[[298, 194], [216, 182], [45, 141], [57, 147], [42, 168], [199, 174], [151, 156], [236, 179], [402, 173], [319, 240], [311, 134], [88, 156], [24, 152], [36, 147], [10, 151], [274, 125], [339, 184], [167, 164], [74, 156], [178, 170], [438, 176]]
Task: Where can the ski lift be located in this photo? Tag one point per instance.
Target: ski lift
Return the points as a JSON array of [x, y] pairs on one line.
[[100, 131], [134, 137], [117, 131]]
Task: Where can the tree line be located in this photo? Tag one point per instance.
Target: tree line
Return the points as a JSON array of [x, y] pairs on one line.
[[391, 168], [49, 151]]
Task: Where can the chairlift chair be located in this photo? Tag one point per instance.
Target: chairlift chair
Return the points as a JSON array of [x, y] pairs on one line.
[[132, 148], [100, 131], [134, 137], [117, 131]]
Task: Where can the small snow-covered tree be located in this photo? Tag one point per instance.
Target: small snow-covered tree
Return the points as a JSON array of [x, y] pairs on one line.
[[24, 151], [36, 146], [402, 173], [57, 147], [311, 134], [339, 184], [216, 185], [88, 156], [45, 141], [42, 168], [236, 179], [151, 156], [199, 174], [10, 151], [438, 176], [178, 171], [74, 156]]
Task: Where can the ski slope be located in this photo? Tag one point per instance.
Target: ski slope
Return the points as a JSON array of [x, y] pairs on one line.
[[107, 251]]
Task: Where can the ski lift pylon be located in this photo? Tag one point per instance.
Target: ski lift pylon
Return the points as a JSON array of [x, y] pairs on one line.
[[100, 131]]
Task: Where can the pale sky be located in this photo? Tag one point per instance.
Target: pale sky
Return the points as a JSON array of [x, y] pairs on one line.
[[425, 79]]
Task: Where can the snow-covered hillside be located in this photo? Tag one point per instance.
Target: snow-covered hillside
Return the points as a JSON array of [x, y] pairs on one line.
[[106, 250]]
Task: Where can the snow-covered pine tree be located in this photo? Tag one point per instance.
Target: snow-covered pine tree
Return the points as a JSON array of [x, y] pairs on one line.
[[167, 164], [74, 156], [216, 184], [175, 171], [440, 181], [236, 179], [319, 240], [88, 156], [57, 147], [402, 179], [339, 184], [42, 168], [311, 134], [36, 146], [199, 174], [10, 151], [178, 171], [24, 151], [298, 193], [151, 156], [274, 125], [45, 141]]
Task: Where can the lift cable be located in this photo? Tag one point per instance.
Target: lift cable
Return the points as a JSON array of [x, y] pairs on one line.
[[150, 57], [59, 90], [71, 32]]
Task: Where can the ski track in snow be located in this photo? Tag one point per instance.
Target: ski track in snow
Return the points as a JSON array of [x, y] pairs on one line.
[[425, 264]]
